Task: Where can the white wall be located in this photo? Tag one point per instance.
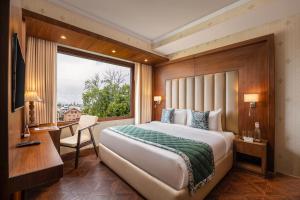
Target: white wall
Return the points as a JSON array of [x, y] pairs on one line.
[[49, 9], [287, 85], [97, 132]]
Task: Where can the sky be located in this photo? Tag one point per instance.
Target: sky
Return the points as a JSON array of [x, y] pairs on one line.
[[73, 71]]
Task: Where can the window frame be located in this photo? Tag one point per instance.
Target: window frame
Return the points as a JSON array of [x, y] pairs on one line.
[[99, 58]]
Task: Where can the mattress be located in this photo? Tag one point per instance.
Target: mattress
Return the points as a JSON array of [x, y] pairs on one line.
[[160, 163]]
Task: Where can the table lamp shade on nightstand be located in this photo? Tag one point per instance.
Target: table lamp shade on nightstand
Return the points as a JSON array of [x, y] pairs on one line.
[[31, 97]]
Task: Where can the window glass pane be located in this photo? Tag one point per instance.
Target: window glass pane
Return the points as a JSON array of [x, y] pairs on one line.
[[91, 87]]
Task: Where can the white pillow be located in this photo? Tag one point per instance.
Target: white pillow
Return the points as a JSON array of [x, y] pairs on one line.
[[189, 117], [214, 120], [180, 116]]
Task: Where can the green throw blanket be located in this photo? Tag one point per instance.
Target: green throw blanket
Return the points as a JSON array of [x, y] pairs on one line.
[[198, 156]]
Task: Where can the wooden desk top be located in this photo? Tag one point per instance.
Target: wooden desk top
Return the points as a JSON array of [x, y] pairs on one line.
[[31, 165]]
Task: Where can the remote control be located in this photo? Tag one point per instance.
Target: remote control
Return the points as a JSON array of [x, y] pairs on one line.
[[28, 143]]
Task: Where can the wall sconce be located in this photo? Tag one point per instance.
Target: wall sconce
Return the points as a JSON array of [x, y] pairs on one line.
[[157, 100], [31, 96], [252, 99]]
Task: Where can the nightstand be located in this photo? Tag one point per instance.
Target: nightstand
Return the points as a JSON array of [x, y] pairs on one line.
[[251, 156]]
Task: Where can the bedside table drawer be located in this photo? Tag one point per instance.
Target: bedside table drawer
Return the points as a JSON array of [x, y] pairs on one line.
[[250, 149]]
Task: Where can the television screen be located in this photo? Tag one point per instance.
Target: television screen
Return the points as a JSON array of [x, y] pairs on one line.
[[18, 75]]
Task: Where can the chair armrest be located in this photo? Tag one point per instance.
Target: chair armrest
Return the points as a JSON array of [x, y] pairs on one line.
[[90, 131], [68, 125], [88, 127]]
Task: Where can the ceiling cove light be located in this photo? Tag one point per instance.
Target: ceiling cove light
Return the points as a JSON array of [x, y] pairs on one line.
[[63, 37]]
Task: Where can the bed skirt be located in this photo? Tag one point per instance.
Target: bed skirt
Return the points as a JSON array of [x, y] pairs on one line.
[[152, 188]]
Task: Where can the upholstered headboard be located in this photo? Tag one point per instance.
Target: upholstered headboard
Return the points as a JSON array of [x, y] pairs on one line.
[[207, 92]]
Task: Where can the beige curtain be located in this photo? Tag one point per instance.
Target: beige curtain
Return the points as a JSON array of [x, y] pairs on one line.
[[41, 77], [143, 93], [137, 100]]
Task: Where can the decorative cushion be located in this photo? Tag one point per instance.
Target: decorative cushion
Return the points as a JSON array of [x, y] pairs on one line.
[[200, 120], [214, 120], [72, 141], [180, 116], [167, 116]]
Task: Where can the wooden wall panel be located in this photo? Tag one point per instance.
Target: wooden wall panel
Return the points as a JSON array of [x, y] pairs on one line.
[[168, 72], [254, 61], [15, 119], [11, 123], [4, 62]]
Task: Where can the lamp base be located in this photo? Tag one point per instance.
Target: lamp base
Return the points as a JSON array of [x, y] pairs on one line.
[[31, 114]]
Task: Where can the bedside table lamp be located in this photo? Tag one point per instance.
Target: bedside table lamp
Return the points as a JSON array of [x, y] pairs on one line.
[[252, 99], [31, 97], [157, 100]]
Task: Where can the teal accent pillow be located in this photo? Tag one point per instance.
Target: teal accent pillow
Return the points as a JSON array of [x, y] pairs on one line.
[[200, 120], [167, 116]]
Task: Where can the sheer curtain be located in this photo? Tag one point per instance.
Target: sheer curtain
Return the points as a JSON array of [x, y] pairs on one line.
[[143, 93], [41, 77]]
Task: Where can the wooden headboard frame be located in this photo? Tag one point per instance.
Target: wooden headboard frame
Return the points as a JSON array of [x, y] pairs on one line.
[[254, 61]]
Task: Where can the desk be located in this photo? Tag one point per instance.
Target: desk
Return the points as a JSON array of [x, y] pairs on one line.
[[33, 165], [53, 130]]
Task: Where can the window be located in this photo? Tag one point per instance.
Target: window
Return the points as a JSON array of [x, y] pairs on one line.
[[95, 85]]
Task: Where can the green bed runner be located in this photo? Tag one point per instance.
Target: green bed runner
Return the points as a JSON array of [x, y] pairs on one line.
[[198, 156]]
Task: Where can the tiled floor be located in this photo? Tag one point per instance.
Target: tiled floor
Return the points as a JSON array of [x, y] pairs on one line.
[[93, 180]]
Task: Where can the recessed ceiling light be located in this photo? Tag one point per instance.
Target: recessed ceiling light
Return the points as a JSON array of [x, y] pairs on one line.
[[113, 51], [146, 60], [63, 37]]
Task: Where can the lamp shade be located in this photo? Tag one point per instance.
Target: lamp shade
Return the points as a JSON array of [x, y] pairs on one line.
[[250, 97], [32, 96], [157, 98]]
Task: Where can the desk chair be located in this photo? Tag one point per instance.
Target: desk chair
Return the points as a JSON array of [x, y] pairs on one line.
[[83, 135]]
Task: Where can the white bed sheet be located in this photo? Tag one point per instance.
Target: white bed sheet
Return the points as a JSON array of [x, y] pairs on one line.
[[160, 163]]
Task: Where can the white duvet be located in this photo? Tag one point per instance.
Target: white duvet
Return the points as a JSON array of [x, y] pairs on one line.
[[160, 163]]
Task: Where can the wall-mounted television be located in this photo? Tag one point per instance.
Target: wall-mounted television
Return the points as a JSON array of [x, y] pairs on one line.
[[18, 75]]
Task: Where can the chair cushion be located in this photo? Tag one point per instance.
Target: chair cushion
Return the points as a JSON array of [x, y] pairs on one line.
[[85, 121], [72, 141]]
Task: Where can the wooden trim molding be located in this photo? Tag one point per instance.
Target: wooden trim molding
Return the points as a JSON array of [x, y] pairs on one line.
[[254, 61], [47, 28], [91, 56], [261, 39]]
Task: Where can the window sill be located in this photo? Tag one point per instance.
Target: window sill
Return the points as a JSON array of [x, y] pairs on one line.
[[114, 118], [60, 123]]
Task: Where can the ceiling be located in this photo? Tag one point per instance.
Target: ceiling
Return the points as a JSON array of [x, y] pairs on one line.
[[148, 19]]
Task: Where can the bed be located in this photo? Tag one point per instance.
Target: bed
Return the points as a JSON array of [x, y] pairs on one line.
[[161, 174]]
